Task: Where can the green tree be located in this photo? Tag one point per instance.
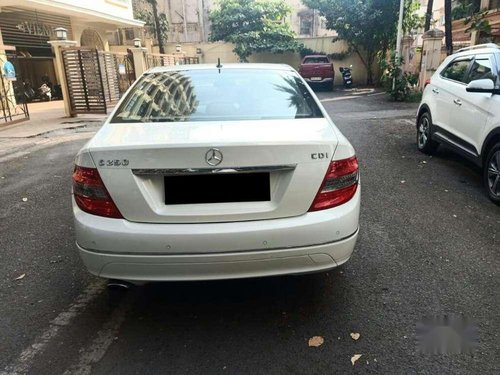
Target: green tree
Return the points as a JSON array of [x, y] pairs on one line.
[[253, 26], [465, 8], [156, 24], [412, 21], [447, 27], [367, 26], [428, 15]]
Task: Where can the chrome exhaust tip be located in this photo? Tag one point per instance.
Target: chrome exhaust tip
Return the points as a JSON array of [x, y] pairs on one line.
[[114, 284]]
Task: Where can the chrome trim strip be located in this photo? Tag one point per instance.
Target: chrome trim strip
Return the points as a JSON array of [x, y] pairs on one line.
[[456, 144], [191, 171], [128, 253]]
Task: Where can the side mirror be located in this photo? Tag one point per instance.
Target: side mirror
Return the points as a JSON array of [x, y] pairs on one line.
[[482, 85]]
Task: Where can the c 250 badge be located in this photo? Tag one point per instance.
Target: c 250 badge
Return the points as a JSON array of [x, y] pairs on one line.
[[113, 163]]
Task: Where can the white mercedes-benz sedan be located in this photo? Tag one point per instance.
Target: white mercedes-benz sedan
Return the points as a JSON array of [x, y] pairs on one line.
[[216, 172]]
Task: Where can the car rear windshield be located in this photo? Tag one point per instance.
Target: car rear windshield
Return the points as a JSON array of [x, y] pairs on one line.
[[316, 60], [217, 95]]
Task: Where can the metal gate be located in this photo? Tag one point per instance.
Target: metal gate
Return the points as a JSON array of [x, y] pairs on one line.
[[109, 77], [84, 80], [117, 73], [96, 79], [156, 59], [13, 104]]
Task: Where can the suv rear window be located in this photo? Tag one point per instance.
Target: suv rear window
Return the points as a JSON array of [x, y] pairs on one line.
[[456, 70], [316, 60], [217, 95]]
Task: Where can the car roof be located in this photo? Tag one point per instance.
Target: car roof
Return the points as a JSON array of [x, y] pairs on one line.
[[478, 49], [245, 66], [315, 56]]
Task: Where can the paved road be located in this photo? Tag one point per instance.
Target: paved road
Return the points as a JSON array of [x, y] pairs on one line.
[[429, 245]]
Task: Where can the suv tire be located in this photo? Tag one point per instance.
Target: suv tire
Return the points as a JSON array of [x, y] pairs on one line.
[[425, 143], [491, 174]]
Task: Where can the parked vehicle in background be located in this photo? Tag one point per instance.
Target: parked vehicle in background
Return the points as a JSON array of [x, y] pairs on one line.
[[461, 108], [44, 92], [346, 75], [216, 172], [317, 70]]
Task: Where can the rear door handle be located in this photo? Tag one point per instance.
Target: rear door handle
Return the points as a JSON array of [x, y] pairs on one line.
[[435, 91], [457, 102]]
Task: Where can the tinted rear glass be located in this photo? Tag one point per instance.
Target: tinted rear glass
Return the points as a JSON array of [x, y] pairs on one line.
[[210, 95], [316, 60]]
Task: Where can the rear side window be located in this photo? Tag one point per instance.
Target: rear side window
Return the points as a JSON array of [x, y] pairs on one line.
[[217, 95], [456, 70], [316, 60], [480, 69]]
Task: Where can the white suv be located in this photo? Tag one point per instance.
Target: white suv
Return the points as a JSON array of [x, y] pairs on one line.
[[461, 108]]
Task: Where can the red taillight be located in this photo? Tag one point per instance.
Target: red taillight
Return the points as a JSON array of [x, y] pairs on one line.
[[91, 194], [427, 82], [339, 185]]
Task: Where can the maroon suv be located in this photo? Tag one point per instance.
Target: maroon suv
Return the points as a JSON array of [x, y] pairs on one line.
[[317, 69]]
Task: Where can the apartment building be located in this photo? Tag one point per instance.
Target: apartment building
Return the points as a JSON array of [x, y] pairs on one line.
[[188, 20], [29, 24]]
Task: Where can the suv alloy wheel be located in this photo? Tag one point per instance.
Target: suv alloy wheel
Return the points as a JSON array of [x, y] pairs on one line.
[[492, 174], [424, 141]]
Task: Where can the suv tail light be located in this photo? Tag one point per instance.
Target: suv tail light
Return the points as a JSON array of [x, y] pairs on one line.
[[91, 194], [339, 186], [427, 82]]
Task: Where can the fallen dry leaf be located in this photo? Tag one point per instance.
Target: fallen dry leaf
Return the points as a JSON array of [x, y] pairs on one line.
[[25, 199], [355, 336], [354, 358], [316, 341], [20, 277]]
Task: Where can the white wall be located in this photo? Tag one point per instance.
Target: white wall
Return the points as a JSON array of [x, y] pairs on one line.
[[114, 11], [117, 8], [212, 51]]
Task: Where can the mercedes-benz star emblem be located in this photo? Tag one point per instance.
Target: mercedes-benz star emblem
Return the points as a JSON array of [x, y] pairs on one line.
[[213, 156]]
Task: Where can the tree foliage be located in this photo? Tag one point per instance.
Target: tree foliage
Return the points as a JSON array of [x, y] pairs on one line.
[[465, 8], [253, 26], [401, 86], [412, 21], [368, 26], [143, 10]]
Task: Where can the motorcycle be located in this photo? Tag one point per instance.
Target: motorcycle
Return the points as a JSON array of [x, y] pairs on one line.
[[44, 92], [28, 91], [346, 75]]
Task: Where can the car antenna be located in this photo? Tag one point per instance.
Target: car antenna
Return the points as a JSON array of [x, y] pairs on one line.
[[219, 65]]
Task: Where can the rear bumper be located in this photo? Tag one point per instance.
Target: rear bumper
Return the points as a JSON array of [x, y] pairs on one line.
[[324, 80], [142, 268], [120, 249]]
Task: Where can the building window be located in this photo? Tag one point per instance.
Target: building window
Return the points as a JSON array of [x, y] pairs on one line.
[[305, 26], [129, 34]]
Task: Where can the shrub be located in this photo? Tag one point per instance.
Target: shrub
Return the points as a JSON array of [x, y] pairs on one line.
[[401, 86]]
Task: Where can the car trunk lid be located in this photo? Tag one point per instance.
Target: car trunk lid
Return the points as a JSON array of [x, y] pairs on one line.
[[262, 169]]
